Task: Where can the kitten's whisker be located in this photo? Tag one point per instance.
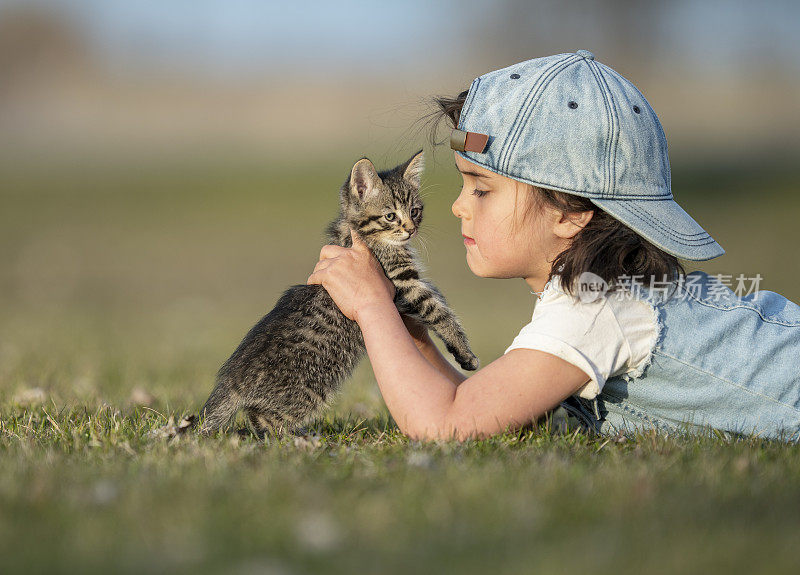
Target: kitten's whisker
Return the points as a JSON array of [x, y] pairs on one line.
[[434, 231], [424, 245], [430, 185], [425, 190], [426, 241]]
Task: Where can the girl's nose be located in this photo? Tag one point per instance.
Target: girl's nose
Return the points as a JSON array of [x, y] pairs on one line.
[[459, 207]]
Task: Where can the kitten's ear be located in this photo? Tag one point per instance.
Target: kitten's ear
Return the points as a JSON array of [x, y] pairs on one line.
[[414, 168], [364, 180]]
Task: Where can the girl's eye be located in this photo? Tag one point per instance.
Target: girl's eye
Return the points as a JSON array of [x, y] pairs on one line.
[[389, 217], [414, 212], [480, 193]]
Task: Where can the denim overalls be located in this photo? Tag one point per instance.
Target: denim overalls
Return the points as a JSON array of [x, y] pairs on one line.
[[721, 361]]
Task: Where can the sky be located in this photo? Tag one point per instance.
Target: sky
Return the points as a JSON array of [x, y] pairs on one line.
[[252, 37]]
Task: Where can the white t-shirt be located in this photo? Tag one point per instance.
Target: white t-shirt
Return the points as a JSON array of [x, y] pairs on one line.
[[613, 335]]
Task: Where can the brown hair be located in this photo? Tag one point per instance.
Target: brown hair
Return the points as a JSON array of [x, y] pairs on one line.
[[605, 246]]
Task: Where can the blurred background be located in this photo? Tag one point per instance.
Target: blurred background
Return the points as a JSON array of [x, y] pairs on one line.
[[167, 168]]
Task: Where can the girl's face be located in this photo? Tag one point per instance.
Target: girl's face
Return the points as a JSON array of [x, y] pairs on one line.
[[501, 242]]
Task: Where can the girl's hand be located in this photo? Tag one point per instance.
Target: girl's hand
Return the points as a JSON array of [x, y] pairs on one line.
[[353, 277]]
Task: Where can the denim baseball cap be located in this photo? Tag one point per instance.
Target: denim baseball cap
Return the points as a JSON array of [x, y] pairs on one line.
[[572, 124]]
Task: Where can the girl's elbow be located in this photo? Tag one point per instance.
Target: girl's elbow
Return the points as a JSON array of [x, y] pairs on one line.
[[427, 431], [438, 435], [421, 433], [447, 430]]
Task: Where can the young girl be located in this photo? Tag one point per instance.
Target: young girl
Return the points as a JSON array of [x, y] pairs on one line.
[[566, 183]]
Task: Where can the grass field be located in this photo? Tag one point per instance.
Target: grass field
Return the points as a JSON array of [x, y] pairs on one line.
[[122, 291]]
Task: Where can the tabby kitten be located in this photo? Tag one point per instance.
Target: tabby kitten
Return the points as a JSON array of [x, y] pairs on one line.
[[291, 362]]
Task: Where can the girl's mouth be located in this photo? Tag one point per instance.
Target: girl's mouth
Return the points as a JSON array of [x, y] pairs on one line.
[[468, 241]]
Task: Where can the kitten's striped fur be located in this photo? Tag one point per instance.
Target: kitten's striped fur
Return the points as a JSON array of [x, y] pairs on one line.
[[291, 362]]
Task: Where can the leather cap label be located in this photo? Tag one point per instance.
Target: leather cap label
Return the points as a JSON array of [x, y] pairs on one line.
[[468, 141]]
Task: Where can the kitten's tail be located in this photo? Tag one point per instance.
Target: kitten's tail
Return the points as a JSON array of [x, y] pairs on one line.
[[220, 407]]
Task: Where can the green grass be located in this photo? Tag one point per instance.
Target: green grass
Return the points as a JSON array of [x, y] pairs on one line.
[[100, 489], [146, 279]]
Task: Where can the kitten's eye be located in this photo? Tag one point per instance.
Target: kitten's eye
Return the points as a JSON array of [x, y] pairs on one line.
[[390, 217], [414, 213]]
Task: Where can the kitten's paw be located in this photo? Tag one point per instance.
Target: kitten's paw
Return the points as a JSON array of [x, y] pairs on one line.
[[470, 362]]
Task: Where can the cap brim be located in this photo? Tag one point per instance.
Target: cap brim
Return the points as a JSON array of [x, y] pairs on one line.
[[666, 225]]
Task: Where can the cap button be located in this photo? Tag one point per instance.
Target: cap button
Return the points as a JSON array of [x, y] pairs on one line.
[[585, 54]]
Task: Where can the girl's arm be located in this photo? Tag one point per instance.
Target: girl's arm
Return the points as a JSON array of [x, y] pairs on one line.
[[508, 393], [426, 404]]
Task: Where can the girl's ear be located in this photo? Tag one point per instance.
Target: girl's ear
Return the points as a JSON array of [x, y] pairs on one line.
[[364, 180], [569, 225], [414, 168]]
